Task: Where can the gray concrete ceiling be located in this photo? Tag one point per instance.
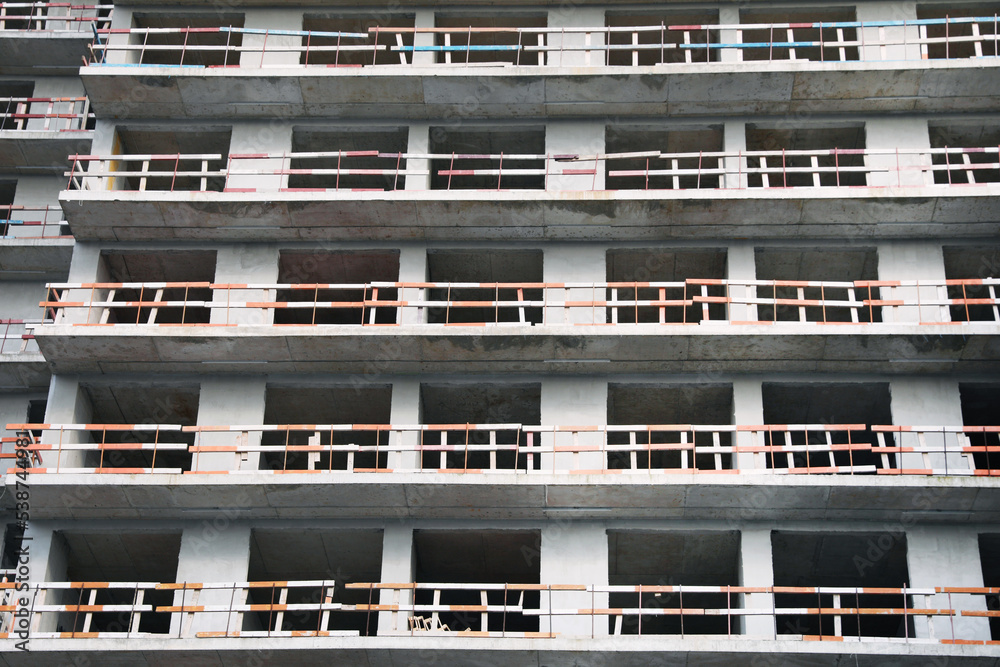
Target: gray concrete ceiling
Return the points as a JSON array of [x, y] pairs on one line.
[[829, 559], [459, 403], [130, 404], [342, 555], [368, 404], [634, 138], [816, 263], [477, 556], [204, 140], [675, 557], [834, 403], [160, 266], [981, 261], [338, 267], [665, 265], [120, 556], [486, 266], [308, 139], [670, 404], [762, 137]]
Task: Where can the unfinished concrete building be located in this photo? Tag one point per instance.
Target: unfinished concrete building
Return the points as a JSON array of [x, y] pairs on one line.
[[532, 333]]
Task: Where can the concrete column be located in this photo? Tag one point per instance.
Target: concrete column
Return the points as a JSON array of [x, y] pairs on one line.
[[748, 410], [256, 138], [211, 555], [13, 410], [86, 266], [418, 142], [757, 570], [121, 19], [270, 50], [423, 18], [730, 15], [947, 556], [574, 401], [246, 264], [412, 269], [38, 192], [908, 261], [734, 140], [890, 42], [61, 86], [574, 553], [48, 554], [575, 264], [741, 265], [405, 411], [583, 137], [224, 401], [928, 401], [904, 134], [576, 49], [398, 567], [66, 404]]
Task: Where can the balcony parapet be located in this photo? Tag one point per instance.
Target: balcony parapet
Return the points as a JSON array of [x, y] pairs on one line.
[[194, 612], [769, 449], [49, 37], [808, 67], [647, 195]]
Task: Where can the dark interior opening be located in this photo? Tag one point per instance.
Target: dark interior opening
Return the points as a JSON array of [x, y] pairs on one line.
[[314, 272], [343, 51], [965, 167], [461, 143], [953, 33], [636, 404], [662, 45], [840, 265], [169, 266], [365, 404], [762, 138], [289, 555], [827, 403], [353, 150], [142, 404], [168, 147], [972, 263], [480, 557], [676, 558], [10, 91], [989, 556], [862, 560], [226, 44], [485, 267], [979, 408], [508, 45], [667, 265], [639, 173], [118, 557], [827, 37], [480, 403]]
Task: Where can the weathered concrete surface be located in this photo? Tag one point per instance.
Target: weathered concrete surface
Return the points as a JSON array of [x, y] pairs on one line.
[[623, 215], [23, 371], [429, 495], [476, 652], [50, 52], [868, 348], [33, 152], [739, 88], [24, 258]]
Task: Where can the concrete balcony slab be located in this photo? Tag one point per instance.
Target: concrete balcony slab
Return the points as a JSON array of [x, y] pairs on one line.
[[41, 152], [417, 92], [657, 495], [783, 347], [50, 52], [34, 258], [23, 370], [561, 651], [622, 215]]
